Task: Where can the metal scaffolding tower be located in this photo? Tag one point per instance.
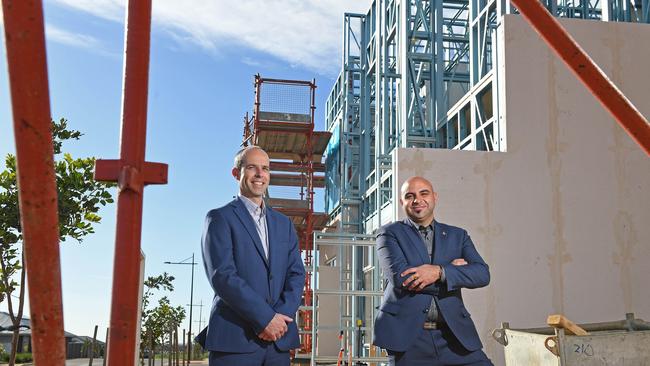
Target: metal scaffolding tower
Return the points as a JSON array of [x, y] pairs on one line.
[[283, 125]]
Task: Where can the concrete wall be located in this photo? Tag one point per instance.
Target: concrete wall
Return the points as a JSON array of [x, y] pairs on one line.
[[562, 217], [329, 312]]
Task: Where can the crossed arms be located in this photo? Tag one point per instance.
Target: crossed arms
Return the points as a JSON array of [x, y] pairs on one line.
[[467, 271]]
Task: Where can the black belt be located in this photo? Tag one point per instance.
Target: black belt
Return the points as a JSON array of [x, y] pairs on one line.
[[432, 325]]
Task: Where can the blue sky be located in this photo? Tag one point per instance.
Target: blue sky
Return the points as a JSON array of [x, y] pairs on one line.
[[204, 54]]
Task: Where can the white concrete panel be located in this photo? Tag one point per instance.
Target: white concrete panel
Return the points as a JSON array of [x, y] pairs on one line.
[[562, 216], [327, 341]]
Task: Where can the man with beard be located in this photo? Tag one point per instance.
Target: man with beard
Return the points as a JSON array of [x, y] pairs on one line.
[[422, 318]]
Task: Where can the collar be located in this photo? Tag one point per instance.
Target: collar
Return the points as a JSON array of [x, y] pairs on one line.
[[252, 207], [417, 227]]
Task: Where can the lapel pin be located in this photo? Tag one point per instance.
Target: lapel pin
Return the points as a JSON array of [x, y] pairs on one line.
[[444, 233]]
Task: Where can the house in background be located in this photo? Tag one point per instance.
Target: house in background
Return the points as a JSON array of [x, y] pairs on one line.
[[76, 346]]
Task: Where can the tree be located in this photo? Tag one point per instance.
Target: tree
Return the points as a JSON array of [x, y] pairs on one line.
[[158, 321], [79, 199]]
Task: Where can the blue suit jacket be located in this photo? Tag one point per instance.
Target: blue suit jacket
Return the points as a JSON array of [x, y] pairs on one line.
[[248, 288], [399, 246]]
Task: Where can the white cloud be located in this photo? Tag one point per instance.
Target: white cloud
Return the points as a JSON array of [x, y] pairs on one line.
[[59, 35], [108, 9], [301, 32]]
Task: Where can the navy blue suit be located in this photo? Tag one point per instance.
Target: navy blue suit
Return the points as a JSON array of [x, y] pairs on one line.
[[249, 289], [402, 312]]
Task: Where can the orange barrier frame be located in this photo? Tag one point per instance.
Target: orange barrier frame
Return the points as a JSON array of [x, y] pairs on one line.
[[30, 103], [132, 173]]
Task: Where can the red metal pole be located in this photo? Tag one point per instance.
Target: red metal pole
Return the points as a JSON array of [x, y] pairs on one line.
[[309, 247], [256, 113], [30, 101], [586, 70], [132, 173]]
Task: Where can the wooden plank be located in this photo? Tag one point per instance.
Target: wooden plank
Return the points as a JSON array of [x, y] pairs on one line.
[[560, 321]]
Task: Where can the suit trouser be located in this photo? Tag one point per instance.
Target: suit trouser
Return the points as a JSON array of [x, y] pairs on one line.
[[266, 355], [437, 347]]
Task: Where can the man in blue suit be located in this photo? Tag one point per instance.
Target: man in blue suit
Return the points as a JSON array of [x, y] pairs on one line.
[[252, 260], [422, 319]]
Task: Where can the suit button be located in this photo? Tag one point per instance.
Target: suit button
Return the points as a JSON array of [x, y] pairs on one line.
[[425, 310], [268, 301], [270, 277]]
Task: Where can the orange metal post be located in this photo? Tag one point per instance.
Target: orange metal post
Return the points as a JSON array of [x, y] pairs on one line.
[[587, 71], [309, 230], [132, 173], [30, 102]]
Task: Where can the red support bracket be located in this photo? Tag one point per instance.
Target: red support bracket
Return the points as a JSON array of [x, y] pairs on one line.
[[587, 71], [129, 177]]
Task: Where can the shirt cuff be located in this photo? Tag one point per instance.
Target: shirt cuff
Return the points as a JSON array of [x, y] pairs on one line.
[[443, 278]]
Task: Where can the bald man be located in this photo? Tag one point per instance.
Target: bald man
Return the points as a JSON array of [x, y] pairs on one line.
[[422, 318], [252, 260]]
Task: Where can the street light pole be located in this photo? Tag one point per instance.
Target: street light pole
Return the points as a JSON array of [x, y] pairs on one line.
[[189, 343], [189, 333]]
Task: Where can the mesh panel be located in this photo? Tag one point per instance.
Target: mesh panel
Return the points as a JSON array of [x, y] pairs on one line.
[[285, 98]]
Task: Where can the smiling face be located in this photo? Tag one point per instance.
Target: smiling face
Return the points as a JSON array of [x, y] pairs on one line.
[[418, 200], [253, 174]]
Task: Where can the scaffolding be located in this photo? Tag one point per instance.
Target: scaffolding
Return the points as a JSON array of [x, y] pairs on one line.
[[283, 125], [355, 294]]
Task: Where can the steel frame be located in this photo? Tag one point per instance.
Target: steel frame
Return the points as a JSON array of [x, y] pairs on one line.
[[426, 79], [358, 296], [349, 133]]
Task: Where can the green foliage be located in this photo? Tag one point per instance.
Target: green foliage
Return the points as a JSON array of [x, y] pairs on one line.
[[80, 198], [23, 357], [10, 231], [61, 133], [20, 357], [158, 321], [162, 282], [88, 345], [198, 353]]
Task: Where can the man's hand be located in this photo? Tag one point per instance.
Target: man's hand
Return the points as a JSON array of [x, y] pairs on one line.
[[276, 328], [421, 276], [426, 274], [459, 262]]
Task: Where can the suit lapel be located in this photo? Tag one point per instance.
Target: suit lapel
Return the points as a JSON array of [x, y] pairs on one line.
[[246, 219], [416, 241], [271, 225]]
